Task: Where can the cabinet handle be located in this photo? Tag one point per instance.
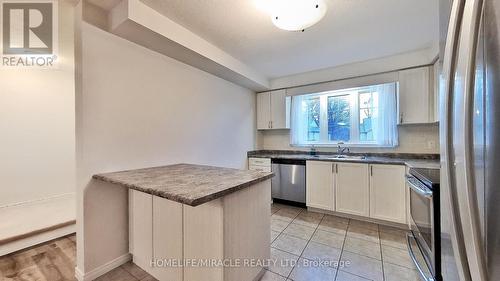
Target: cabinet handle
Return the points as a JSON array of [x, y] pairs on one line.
[[371, 171], [336, 168], [333, 168], [271, 124], [401, 118]]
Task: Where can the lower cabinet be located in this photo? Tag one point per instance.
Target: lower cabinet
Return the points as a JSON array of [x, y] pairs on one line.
[[167, 232], [141, 227], [320, 185], [368, 190], [259, 164], [352, 193], [164, 233], [155, 229], [388, 193]]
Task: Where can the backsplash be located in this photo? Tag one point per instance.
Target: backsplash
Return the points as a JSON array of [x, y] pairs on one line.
[[422, 138]]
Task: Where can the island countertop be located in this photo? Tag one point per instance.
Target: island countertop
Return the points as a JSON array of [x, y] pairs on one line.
[[186, 183]]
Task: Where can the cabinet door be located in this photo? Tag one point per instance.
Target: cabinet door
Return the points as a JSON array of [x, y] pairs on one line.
[[167, 237], [388, 193], [264, 111], [280, 110], [320, 185], [352, 190], [414, 96], [141, 227]]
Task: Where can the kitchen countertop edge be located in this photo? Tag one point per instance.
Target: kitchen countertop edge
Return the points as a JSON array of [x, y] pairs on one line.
[[193, 202], [409, 162]]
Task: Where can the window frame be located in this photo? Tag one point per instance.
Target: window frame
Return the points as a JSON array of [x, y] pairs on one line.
[[355, 114]]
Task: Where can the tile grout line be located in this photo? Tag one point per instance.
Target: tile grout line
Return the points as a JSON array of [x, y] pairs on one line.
[[302, 249], [342, 250], [363, 255], [381, 253], [282, 232], [392, 247], [310, 239]]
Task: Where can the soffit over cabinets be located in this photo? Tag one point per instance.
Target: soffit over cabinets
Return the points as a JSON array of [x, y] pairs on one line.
[[238, 42]]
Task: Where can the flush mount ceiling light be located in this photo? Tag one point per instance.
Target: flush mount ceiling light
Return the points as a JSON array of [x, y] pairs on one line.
[[294, 15]]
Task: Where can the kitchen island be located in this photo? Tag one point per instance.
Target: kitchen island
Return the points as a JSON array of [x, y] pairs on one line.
[[194, 222]]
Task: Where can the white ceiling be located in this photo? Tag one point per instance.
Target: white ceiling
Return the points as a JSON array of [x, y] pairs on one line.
[[352, 31]]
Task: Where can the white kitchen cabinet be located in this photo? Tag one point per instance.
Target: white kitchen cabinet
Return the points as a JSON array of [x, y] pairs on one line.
[[416, 95], [320, 182], [264, 111], [141, 227], [352, 192], [273, 110], [259, 164], [388, 193], [167, 237], [280, 110], [437, 77]]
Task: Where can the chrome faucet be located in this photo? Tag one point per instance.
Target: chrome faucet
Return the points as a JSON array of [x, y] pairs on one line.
[[313, 150], [341, 150]]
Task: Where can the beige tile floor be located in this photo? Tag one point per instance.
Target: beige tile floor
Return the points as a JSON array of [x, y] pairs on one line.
[[309, 246]]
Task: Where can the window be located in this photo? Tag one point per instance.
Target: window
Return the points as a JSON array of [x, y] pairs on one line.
[[358, 116], [312, 106]]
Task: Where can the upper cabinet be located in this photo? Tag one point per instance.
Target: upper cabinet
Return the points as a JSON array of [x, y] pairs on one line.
[[438, 85], [264, 111], [273, 110], [416, 96]]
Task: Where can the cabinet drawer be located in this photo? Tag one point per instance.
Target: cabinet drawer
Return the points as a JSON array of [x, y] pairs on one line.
[[259, 162], [260, 168]]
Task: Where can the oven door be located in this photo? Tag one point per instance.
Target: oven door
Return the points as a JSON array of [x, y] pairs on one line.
[[422, 221]]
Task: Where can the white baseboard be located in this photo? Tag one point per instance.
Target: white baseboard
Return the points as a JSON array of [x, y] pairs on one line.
[[36, 239], [101, 270], [34, 201]]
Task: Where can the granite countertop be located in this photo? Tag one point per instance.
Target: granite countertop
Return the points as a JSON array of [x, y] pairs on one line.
[[186, 183], [413, 161]]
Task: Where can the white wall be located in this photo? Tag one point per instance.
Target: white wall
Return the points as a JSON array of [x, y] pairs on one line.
[[423, 138], [358, 69], [412, 139], [37, 124], [138, 108]]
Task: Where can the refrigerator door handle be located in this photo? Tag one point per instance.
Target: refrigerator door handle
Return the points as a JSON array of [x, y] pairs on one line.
[[469, 211], [446, 125]]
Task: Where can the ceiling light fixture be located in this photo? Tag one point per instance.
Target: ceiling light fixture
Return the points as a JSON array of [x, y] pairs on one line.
[[294, 15]]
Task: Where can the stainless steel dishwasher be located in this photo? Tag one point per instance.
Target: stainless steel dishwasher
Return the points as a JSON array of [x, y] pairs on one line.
[[289, 181]]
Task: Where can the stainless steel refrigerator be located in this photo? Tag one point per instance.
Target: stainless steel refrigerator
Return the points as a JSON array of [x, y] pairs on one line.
[[470, 143]]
